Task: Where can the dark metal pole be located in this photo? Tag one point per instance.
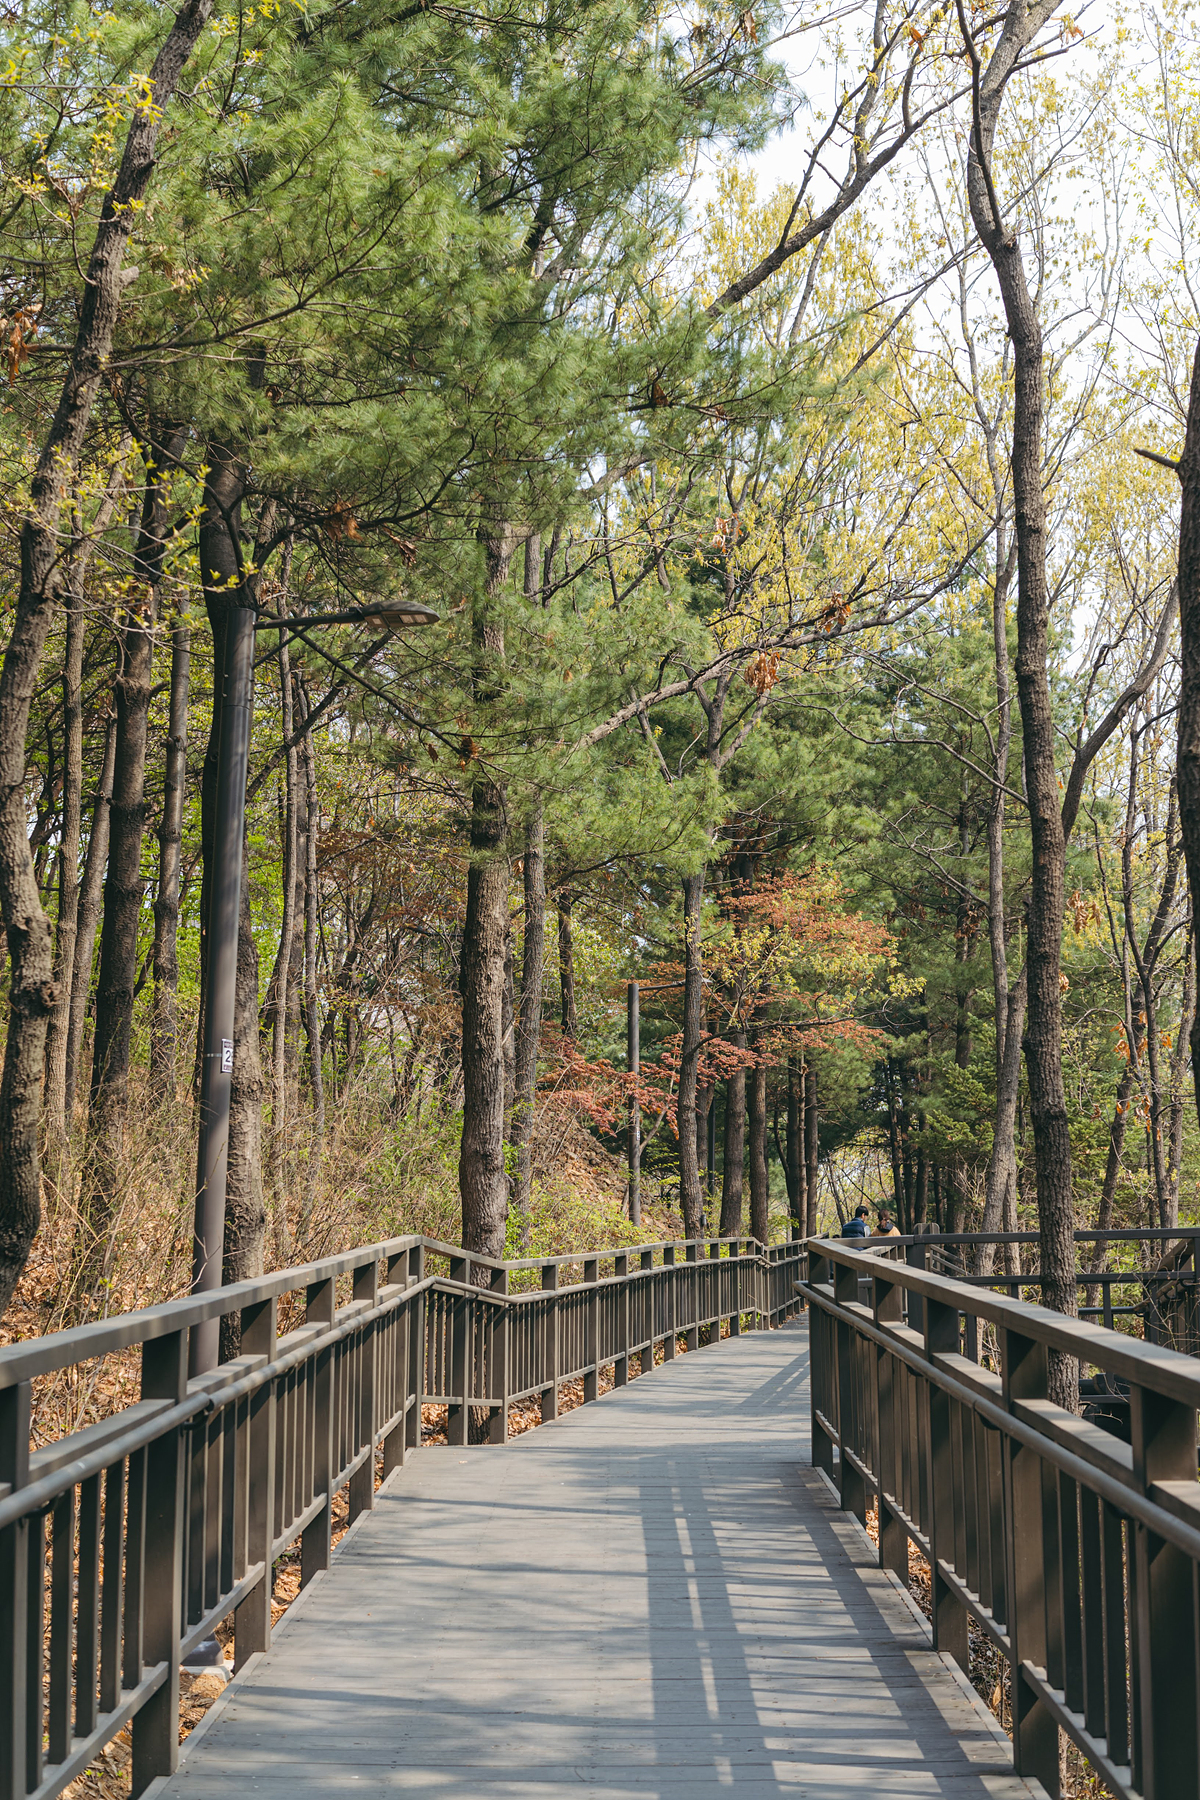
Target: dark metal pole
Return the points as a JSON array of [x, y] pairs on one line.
[[634, 1058], [212, 1162]]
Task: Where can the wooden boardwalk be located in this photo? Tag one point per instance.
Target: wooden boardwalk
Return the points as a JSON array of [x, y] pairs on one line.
[[653, 1596]]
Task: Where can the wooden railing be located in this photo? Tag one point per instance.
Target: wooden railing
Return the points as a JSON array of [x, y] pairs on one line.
[[1078, 1555], [124, 1544]]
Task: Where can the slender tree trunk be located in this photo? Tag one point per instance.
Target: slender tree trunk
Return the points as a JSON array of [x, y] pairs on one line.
[[691, 1196], [735, 1148], [794, 1167], [508, 1027], [91, 889], [311, 1009], [1188, 754], [245, 1208], [164, 1015], [760, 1174], [124, 888], [811, 1147], [281, 974], [57, 1118], [533, 969], [633, 1055], [482, 1177], [566, 968], [1047, 891], [1187, 1015]]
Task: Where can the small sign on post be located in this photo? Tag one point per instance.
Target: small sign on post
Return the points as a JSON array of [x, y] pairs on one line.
[[227, 1056]]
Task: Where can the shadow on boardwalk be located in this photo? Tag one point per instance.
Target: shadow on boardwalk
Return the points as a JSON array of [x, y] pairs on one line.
[[653, 1596]]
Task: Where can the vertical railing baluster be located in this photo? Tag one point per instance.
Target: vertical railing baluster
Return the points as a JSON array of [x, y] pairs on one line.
[[399, 1345], [692, 1296], [87, 1618], [888, 1308], [113, 1592], [156, 1726], [949, 1614], [668, 1280], [550, 1342], [591, 1375], [252, 1620], [621, 1360], [458, 1376], [500, 1339], [315, 1539], [646, 1315], [416, 1350], [17, 1541], [362, 1482]]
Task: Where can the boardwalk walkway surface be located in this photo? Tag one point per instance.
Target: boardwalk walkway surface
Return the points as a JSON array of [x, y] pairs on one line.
[[653, 1596]]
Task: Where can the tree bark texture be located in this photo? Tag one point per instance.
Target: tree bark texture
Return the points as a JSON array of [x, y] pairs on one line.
[[32, 992], [482, 1176], [164, 1016], [124, 888], [794, 1167], [1188, 750], [529, 1020], [1047, 892], [66, 930], [91, 889], [760, 1174], [811, 1149], [732, 1173], [281, 974], [569, 1017], [691, 1196], [245, 1207], [311, 1007]]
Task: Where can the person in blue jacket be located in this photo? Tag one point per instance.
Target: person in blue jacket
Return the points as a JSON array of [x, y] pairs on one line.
[[857, 1226]]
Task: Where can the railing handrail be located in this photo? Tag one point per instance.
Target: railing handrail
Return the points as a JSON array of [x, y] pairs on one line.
[[1168, 1371], [28, 1358]]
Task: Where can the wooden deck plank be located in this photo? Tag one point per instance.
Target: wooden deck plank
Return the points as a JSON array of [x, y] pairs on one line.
[[653, 1596]]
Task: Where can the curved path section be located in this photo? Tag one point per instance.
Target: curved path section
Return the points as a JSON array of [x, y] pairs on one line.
[[653, 1596]]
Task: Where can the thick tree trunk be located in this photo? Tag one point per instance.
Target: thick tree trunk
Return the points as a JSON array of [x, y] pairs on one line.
[[760, 1175], [529, 1028], [1047, 892], [569, 1017], [91, 889], [164, 1015], [691, 1196], [245, 1208], [482, 1177], [734, 1149], [32, 993]]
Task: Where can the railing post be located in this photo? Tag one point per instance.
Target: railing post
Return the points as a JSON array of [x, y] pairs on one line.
[[362, 1482], [397, 1331], [458, 1419], [591, 1375], [500, 1344], [156, 1726], [692, 1289], [315, 1542], [822, 1376], [16, 1688], [646, 1261], [945, 1488], [1025, 1374], [669, 1283], [888, 1308], [416, 1350], [252, 1620], [916, 1255], [549, 1394], [850, 1481], [621, 1360], [1162, 1607]]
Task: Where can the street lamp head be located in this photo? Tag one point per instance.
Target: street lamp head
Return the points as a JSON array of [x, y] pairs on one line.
[[398, 615]]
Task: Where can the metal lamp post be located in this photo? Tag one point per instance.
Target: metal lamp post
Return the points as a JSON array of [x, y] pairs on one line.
[[216, 1080]]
